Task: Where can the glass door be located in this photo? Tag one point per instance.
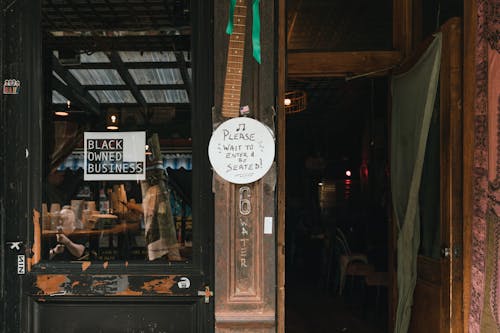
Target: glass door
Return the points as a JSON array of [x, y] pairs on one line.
[[121, 239]]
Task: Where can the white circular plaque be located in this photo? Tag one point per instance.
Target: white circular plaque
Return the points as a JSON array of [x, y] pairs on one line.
[[241, 150]]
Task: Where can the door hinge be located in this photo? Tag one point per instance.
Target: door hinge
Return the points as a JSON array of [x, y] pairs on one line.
[[207, 293]]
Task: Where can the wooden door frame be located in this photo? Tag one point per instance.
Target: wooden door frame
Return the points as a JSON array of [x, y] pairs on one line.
[[451, 161], [280, 237], [469, 87]]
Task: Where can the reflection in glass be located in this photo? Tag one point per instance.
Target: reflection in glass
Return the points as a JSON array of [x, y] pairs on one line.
[[118, 78]]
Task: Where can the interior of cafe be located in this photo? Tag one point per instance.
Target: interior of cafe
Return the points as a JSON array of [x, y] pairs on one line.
[[337, 205], [138, 83]]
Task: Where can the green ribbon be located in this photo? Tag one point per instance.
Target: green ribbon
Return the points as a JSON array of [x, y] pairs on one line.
[[255, 26]]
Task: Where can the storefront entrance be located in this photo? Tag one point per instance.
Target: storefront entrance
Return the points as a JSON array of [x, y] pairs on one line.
[[108, 218]]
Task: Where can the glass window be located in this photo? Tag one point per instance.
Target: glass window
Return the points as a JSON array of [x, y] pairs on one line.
[[117, 132]]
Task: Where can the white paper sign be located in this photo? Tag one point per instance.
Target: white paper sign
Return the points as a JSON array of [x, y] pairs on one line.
[[268, 225], [21, 264], [241, 150], [114, 155]]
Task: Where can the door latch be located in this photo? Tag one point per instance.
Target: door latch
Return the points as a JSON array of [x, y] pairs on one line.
[[446, 252], [207, 293]]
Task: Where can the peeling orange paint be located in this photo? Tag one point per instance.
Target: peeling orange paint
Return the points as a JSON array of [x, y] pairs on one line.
[[99, 283], [105, 264], [37, 234], [85, 265], [49, 284], [159, 286]]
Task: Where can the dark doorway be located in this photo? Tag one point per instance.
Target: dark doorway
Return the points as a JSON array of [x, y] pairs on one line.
[[336, 207]]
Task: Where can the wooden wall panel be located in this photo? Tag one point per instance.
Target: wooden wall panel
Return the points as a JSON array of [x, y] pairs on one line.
[[281, 138], [245, 263]]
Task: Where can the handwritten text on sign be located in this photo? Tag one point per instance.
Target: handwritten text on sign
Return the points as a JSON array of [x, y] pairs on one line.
[[241, 150], [114, 156]]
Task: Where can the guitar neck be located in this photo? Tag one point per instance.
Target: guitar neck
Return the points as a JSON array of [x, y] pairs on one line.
[[234, 68]]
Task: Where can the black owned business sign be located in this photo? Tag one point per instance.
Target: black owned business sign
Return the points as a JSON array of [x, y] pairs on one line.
[[114, 156]]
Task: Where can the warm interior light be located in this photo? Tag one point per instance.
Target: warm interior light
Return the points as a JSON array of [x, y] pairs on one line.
[[113, 124], [288, 101], [148, 152], [68, 103], [61, 113]]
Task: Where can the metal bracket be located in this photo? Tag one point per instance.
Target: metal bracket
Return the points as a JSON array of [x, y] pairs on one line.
[[206, 293]]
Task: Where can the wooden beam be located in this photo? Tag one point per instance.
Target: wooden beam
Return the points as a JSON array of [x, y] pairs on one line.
[[73, 87], [402, 26], [179, 108], [131, 65], [468, 90], [117, 62], [340, 64], [139, 86], [73, 95], [124, 43], [281, 157], [184, 72]]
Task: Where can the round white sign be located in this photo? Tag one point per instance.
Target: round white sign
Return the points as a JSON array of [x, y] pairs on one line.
[[241, 150]]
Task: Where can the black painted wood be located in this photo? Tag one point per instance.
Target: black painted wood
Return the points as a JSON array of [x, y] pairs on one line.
[[21, 132], [96, 315], [21, 145]]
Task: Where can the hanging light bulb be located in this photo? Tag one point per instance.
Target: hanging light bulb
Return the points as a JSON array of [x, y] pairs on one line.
[[113, 122], [61, 113], [148, 152], [64, 113]]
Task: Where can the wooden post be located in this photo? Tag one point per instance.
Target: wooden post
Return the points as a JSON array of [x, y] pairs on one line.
[[469, 84], [281, 138], [245, 257]]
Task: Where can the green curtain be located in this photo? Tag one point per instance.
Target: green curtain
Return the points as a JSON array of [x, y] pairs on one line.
[[413, 96], [429, 196]]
